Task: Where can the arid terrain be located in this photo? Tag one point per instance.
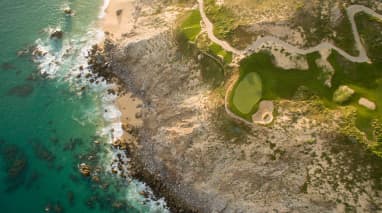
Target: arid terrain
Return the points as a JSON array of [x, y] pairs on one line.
[[202, 159]]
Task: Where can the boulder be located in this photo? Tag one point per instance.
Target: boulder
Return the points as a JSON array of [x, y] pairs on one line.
[[367, 103], [119, 12], [84, 169], [57, 34], [23, 90], [116, 143], [68, 11], [343, 94], [96, 179]]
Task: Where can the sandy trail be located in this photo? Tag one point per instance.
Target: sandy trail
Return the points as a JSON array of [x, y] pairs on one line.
[[351, 11], [257, 45]]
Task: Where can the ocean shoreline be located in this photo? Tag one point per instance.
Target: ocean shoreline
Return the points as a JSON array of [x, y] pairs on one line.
[[129, 103]]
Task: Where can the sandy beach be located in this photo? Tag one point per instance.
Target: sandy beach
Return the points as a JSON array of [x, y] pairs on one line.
[[130, 109], [119, 18]]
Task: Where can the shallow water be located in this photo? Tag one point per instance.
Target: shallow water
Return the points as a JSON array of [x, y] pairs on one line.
[[49, 118]]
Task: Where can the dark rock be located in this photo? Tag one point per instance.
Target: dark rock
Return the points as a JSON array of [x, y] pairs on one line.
[[57, 34], [38, 53], [70, 197], [57, 208], [117, 205], [119, 12], [32, 179], [42, 152], [7, 66], [21, 90], [138, 115], [68, 11], [72, 144], [15, 165], [111, 91], [84, 169], [96, 179], [31, 77]]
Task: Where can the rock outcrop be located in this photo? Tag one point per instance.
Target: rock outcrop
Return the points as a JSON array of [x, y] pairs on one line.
[[343, 94], [367, 103]]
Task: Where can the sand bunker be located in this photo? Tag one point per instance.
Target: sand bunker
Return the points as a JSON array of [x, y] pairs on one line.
[[264, 114]]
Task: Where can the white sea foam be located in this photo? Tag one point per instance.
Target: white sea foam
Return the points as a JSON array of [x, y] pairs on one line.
[[103, 9], [61, 60]]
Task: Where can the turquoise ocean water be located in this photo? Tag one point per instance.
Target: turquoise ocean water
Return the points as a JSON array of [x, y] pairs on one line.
[[50, 116]]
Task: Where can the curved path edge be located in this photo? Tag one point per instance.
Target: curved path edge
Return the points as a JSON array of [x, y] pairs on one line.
[[351, 11]]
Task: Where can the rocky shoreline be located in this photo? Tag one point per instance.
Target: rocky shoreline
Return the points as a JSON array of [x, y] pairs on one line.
[[160, 189], [101, 61]]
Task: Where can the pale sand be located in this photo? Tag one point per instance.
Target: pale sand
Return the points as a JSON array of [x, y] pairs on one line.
[[264, 114], [117, 25], [129, 107], [367, 103]]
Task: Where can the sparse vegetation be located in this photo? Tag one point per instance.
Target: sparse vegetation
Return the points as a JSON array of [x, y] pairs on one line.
[[222, 17]]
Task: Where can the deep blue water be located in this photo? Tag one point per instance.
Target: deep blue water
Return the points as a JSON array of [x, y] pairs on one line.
[[49, 118]]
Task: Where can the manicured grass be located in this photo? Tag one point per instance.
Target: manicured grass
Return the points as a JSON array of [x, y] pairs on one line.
[[278, 83], [211, 71], [191, 25], [247, 93], [283, 84], [217, 50], [364, 78], [190, 28]]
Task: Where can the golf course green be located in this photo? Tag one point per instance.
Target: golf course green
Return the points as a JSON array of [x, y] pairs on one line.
[[247, 93]]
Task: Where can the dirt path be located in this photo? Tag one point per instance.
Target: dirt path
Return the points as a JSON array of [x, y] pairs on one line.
[[209, 27], [255, 46]]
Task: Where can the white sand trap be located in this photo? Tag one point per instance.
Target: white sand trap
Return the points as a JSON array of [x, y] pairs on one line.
[[367, 103], [264, 114]]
